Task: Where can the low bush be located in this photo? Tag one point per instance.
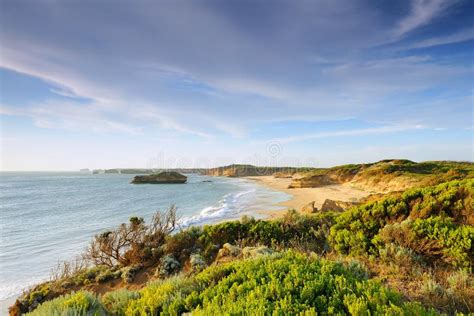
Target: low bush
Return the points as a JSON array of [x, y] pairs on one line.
[[116, 302], [79, 303], [91, 275], [131, 243], [432, 221], [294, 229], [455, 241], [128, 273], [280, 284]]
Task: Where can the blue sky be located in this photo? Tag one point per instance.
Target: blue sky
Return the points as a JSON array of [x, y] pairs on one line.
[[103, 84]]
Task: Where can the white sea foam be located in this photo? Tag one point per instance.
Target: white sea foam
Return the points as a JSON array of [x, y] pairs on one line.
[[230, 206], [8, 290]]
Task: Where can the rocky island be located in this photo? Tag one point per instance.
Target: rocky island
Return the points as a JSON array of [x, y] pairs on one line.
[[165, 177]]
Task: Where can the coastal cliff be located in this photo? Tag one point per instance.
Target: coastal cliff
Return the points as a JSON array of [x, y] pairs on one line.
[[385, 175], [238, 170]]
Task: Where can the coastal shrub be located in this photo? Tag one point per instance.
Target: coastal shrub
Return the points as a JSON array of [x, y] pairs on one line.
[[68, 269], [131, 242], [452, 293], [128, 273], [455, 241], [460, 288], [308, 232], [435, 238], [251, 252], [184, 243], [168, 266], [38, 294], [90, 275], [163, 297], [197, 262], [357, 231], [109, 248], [78, 303], [116, 302], [291, 228], [459, 280], [105, 276], [288, 283], [396, 255]]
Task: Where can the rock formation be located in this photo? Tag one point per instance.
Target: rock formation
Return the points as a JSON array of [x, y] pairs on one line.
[[309, 208], [165, 177], [333, 205], [313, 181]]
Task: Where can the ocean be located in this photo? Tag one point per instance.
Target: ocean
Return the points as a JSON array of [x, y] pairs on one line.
[[48, 217]]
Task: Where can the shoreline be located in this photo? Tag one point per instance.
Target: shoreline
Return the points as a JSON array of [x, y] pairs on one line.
[[300, 197], [6, 303]]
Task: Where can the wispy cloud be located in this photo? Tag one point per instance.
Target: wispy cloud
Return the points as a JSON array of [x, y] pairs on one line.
[[226, 75], [64, 93], [457, 37], [422, 12], [70, 117], [348, 133]]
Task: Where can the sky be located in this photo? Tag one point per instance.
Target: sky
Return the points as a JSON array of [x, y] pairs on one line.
[[164, 84]]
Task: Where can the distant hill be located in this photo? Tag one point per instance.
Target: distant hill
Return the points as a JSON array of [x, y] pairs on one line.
[[382, 176], [386, 175], [237, 170]]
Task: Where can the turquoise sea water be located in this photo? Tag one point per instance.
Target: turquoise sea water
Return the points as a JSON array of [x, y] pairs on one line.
[[47, 217]]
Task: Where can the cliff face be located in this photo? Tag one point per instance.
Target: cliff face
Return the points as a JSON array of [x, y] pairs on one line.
[[311, 181], [160, 178], [339, 206], [323, 177], [244, 171]]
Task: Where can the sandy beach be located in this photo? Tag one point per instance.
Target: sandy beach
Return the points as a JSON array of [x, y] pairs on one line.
[[303, 196]]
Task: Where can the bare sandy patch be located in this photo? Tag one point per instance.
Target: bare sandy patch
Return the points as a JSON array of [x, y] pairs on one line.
[[303, 196]]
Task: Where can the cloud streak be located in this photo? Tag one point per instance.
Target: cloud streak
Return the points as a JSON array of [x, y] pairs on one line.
[[222, 72], [348, 133], [422, 12]]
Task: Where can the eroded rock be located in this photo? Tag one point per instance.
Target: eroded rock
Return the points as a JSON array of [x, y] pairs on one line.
[[309, 208], [338, 206]]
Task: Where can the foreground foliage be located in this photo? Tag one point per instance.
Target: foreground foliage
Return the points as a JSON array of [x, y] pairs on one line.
[[436, 222], [80, 303], [282, 284]]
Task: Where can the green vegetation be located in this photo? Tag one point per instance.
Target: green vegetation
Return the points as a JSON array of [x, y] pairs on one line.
[[116, 302], [435, 222], [389, 175], [281, 284], [418, 243], [79, 303]]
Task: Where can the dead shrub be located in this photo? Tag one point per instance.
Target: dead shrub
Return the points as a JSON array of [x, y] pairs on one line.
[[133, 242]]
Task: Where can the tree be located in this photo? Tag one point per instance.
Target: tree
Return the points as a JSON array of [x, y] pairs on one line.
[[126, 244]]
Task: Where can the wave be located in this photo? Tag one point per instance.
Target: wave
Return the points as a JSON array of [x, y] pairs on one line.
[[230, 206], [9, 290]]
